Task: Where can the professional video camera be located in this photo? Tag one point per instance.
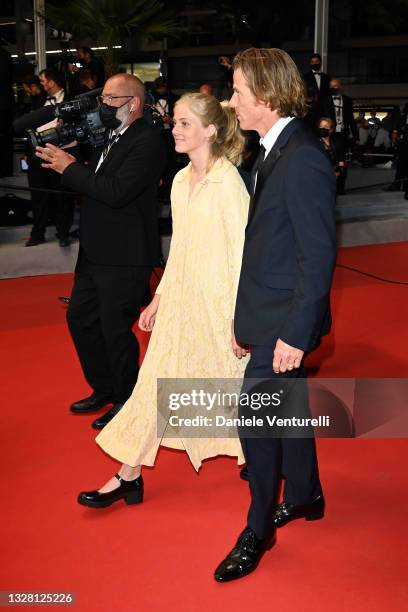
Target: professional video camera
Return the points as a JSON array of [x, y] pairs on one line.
[[80, 118]]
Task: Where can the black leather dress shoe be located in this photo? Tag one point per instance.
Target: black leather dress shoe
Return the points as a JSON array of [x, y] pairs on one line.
[[289, 512], [129, 490], [64, 241], [108, 416], [34, 242], [94, 402], [244, 474], [244, 557]]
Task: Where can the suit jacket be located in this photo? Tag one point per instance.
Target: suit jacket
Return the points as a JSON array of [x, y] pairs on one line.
[[6, 80], [119, 213], [311, 84], [327, 110], [290, 245]]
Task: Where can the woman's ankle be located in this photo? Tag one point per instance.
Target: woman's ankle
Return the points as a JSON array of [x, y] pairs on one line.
[[127, 472]]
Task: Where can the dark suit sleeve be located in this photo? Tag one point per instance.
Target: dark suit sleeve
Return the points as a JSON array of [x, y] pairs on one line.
[[144, 161], [310, 200]]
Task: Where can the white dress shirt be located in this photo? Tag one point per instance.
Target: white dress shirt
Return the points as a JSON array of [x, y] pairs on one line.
[[338, 109], [272, 136], [104, 153], [59, 97], [318, 79]]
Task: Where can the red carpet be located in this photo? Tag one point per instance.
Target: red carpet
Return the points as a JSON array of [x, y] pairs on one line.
[[161, 555]]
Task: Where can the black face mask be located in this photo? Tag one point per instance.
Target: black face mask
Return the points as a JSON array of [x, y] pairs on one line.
[[334, 91], [323, 132], [108, 117], [315, 67]]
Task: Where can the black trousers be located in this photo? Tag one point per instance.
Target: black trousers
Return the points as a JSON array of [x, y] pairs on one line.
[[104, 305], [59, 207], [6, 140], [270, 459]]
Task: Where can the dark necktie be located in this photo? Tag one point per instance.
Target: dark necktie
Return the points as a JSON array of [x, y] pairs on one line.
[[259, 161], [110, 142], [255, 178]]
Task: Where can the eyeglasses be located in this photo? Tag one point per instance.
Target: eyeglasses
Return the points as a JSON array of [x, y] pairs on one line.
[[105, 99]]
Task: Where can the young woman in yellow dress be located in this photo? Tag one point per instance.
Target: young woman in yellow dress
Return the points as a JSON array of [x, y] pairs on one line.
[[191, 313]]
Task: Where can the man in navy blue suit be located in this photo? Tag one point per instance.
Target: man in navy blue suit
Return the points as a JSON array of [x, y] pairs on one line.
[[283, 305]]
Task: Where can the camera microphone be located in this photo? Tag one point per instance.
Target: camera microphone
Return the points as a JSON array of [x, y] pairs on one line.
[[34, 119]]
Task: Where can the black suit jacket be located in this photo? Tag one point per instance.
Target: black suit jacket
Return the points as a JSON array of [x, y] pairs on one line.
[[327, 110], [119, 214], [290, 245], [6, 80], [311, 84]]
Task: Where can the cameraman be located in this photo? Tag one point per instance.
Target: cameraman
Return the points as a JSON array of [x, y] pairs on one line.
[[88, 61], [45, 204], [118, 243]]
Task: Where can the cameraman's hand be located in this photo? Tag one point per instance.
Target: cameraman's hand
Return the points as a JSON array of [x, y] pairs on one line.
[[56, 158]]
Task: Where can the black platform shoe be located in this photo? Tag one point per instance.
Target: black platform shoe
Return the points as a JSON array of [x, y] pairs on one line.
[[129, 490], [289, 512]]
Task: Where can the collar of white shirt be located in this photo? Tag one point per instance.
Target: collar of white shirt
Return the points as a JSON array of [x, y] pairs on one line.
[[272, 136], [56, 98], [116, 137], [122, 131]]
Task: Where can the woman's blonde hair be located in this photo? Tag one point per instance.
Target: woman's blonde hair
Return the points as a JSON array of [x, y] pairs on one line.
[[273, 77], [228, 139]]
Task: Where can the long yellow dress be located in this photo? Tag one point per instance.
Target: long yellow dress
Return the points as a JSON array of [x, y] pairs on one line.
[[191, 337]]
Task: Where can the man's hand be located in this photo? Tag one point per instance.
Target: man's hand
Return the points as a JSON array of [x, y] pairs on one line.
[[238, 350], [286, 357], [56, 158], [147, 318]]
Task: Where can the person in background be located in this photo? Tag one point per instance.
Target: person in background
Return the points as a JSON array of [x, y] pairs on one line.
[[34, 90], [339, 108], [362, 141], [206, 88], [313, 112], [317, 82], [164, 101], [395, 142], [382, 142], [37, 97], [86, 57], [6, 112], [45, 205], [335, 151], [87, 80], [226, 67], [400, 147], [163, 107]]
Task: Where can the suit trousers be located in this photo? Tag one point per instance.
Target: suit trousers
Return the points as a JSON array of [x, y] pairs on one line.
[[45, 205], [104, 305], [6, 140], [271, 458]]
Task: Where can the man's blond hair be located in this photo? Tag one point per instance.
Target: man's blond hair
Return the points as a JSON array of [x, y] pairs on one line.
[[273, 78]]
